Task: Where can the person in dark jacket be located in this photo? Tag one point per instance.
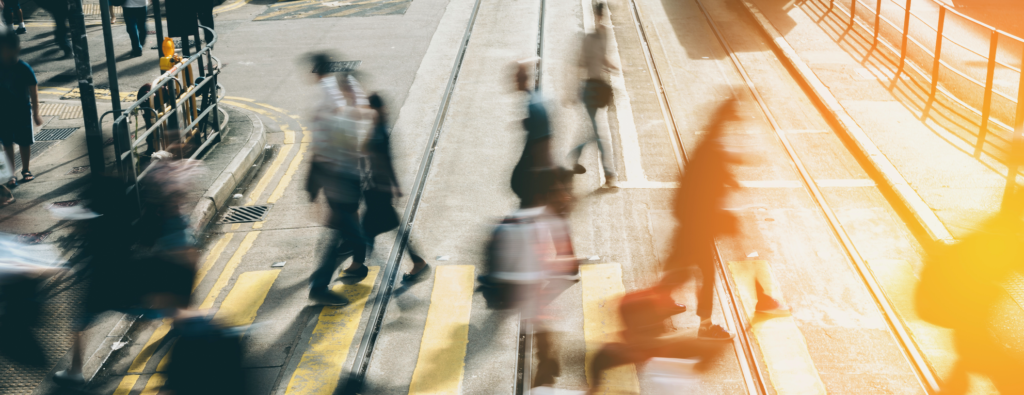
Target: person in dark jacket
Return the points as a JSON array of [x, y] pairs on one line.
[[380, 215], [536, 156]]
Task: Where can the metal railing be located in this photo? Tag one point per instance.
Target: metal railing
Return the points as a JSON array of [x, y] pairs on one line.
[[180, 114], [944, 47]]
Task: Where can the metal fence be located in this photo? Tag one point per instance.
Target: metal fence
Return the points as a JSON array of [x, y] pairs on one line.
[[976, 66], [179, 114]]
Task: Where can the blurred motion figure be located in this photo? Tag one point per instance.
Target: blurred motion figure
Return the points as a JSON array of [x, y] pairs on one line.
[[597, 90]]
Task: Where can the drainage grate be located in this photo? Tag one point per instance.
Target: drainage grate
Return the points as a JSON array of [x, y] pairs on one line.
[[54, 134], [346, 66], [240, 214], [78, 170], [37, 149]]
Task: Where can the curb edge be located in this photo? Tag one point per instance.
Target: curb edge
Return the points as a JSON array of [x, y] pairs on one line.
[[910, 199]]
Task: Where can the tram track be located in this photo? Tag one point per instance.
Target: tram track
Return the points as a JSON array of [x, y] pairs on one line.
[[751, 367]]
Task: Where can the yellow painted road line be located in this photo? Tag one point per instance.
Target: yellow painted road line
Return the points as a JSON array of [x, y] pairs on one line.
[[245, 298], [229, 270], [782, 345], [239, 98], [262, 185], [320, 367], [212, 258], [154, 384], [139, 364], [288, 174], [127, 383], [442, 358], [602, 290]]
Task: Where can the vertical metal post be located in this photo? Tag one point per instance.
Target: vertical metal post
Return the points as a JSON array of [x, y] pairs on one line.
[[108, 46], [903, 45], [938, 51], [853, 13], [1015, 150], [159, 29], [986, 107], [83, 68], [878, 20]]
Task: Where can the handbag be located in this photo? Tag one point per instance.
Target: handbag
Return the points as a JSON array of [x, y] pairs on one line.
[[597, 93]]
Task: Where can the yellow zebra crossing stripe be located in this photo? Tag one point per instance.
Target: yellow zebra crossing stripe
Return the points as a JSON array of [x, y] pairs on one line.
[[602, 289], [442, 358], [320, 366]]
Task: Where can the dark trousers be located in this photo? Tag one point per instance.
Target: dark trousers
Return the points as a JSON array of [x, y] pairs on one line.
[[135, 23], [61, 31], [346, 239], [679, 270]]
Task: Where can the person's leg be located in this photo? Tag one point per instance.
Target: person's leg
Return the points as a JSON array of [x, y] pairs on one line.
[[9, 151], [131, 24], [706, 294], [321, 278], [346, 222], [26, 153], [606, 158]]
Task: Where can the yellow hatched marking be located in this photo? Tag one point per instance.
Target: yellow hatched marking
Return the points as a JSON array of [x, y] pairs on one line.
[[154, 384], [442, 359], [321, 365], [602, 290], [139, 364], [782, 345], [229, 270], [245, 298], [212, 258], [288, 174], [126, 385]]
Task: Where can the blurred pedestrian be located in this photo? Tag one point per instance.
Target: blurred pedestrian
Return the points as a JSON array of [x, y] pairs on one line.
[[60, 11], [207, 358], [339, 123], [134, 13], [962, 287], [19, 104], [382, 188], [14, 16], [21, 300], [699, 211], [597, 90], [109, 271], [536, 156]]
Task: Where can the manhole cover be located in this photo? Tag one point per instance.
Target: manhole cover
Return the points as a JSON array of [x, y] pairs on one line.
[[33, 238], [240, 214], [78, 170], [54, 134]]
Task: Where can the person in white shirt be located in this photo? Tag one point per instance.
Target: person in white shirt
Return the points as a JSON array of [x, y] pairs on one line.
[[134, 13]]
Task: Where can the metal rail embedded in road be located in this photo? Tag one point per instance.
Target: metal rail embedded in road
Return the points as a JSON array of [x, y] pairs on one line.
[[908, 346], [735, 319], [382, 297]]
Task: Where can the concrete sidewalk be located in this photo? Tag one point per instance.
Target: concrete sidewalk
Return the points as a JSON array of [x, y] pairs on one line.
[[61, 166]]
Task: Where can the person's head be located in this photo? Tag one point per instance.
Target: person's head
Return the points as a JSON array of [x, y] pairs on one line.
[[10, 46], [376, 102], [522, 76], [321, 62], [599, 9]]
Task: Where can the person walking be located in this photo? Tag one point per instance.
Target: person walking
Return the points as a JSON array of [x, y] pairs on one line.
[[19, 104], [14, 16], [536, 156], [60, 12], [339, 122], [134, 14], [380, 216], [597, 91]]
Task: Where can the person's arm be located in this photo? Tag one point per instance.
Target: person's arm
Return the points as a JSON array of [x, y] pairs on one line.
[[33, 94]]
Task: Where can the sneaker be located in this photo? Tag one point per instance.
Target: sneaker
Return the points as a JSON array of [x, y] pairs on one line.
[[327, 298], [135, 53], [67, 379], [768, 305], [20, 30], [714, 332], [68, 54]]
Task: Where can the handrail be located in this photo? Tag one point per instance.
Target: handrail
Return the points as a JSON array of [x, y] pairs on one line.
[[938, 65]]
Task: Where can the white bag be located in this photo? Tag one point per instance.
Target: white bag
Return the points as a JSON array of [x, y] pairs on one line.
[[6, 170]]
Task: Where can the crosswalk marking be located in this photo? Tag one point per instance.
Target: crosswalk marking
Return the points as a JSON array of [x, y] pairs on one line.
[[155, 383], [602, 289], [320, 367], [442, 358], [782, 345], [126, 385]]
